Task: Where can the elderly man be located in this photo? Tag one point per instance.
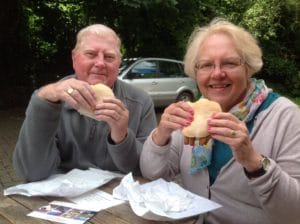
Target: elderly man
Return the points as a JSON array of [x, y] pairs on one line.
[[56, 138]]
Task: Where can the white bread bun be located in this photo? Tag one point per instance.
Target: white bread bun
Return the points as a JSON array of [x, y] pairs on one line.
[[101, 91], [203, 109]]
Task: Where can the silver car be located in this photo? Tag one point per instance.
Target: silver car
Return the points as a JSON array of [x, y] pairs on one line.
[[162, 78]]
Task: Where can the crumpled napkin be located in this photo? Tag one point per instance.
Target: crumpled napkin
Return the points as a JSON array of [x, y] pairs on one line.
[[71, 184], [161, 200], [166, 197]]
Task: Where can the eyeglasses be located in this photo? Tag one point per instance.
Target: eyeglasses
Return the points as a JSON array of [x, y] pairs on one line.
[[206, 67]]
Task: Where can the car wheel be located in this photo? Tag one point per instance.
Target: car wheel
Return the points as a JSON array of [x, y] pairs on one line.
[[185, 96]]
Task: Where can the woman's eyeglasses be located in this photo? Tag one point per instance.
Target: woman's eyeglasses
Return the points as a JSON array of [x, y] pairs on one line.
[[206, 67]]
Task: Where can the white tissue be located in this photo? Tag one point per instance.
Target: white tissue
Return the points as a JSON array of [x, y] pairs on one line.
[[161, 200]]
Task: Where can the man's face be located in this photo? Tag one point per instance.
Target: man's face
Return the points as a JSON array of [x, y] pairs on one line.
[[97, 60]]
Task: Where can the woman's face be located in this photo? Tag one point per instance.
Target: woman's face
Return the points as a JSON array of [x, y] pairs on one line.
[[97, 60], [220, 73]]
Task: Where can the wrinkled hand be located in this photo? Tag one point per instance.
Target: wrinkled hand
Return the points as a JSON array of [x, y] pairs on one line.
[[175, 116], [226, 128], [74, 92], [115, 113]]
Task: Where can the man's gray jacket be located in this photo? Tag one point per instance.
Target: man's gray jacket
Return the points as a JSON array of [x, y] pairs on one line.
[[56, 138]]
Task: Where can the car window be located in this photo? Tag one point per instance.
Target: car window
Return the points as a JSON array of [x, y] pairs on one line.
[[145, 70], [171, 69], [125, 64]]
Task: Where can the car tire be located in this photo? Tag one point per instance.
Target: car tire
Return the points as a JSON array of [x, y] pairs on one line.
[[185, 96]]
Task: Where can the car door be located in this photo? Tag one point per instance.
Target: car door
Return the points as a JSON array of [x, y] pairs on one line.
[[170, 83], [143, 74]]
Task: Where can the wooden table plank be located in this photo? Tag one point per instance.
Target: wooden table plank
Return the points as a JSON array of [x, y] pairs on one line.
[[3, 220], [14, 209], [13, 212], [123, 212], [105, 217]]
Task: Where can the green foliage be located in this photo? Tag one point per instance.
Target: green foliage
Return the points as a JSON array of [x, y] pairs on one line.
[[147, 28], [138, 3], [296, 100], [283, 74], [52, 26], [229, 9], [44, 49], [262, 18], [44, 33], [15, 83]]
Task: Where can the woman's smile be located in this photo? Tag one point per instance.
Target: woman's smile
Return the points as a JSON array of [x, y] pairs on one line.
[[219, 86]]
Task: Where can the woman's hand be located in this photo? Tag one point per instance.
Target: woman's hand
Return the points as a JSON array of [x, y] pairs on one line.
[[74, 92], [175, 116], [226, 128]]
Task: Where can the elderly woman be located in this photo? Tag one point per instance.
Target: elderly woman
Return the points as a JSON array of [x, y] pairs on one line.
[[254, 169]]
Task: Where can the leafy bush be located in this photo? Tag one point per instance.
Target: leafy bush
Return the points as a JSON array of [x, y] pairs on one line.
[[283, 74]]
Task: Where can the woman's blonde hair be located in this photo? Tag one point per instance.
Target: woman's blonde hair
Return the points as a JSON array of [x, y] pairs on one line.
[[246, 45], [99, 30]]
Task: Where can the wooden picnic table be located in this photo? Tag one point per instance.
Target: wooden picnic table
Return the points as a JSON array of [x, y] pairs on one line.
[[14, 210]]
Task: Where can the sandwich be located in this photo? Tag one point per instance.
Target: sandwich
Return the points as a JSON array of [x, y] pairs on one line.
[[101, 91], [196, 133]]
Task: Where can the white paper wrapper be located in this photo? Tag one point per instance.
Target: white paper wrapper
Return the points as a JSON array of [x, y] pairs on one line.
[[161, 200], [71, 184]]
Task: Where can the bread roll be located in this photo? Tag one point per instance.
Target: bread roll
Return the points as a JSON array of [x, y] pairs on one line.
[[197, 131], [101, 91]]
